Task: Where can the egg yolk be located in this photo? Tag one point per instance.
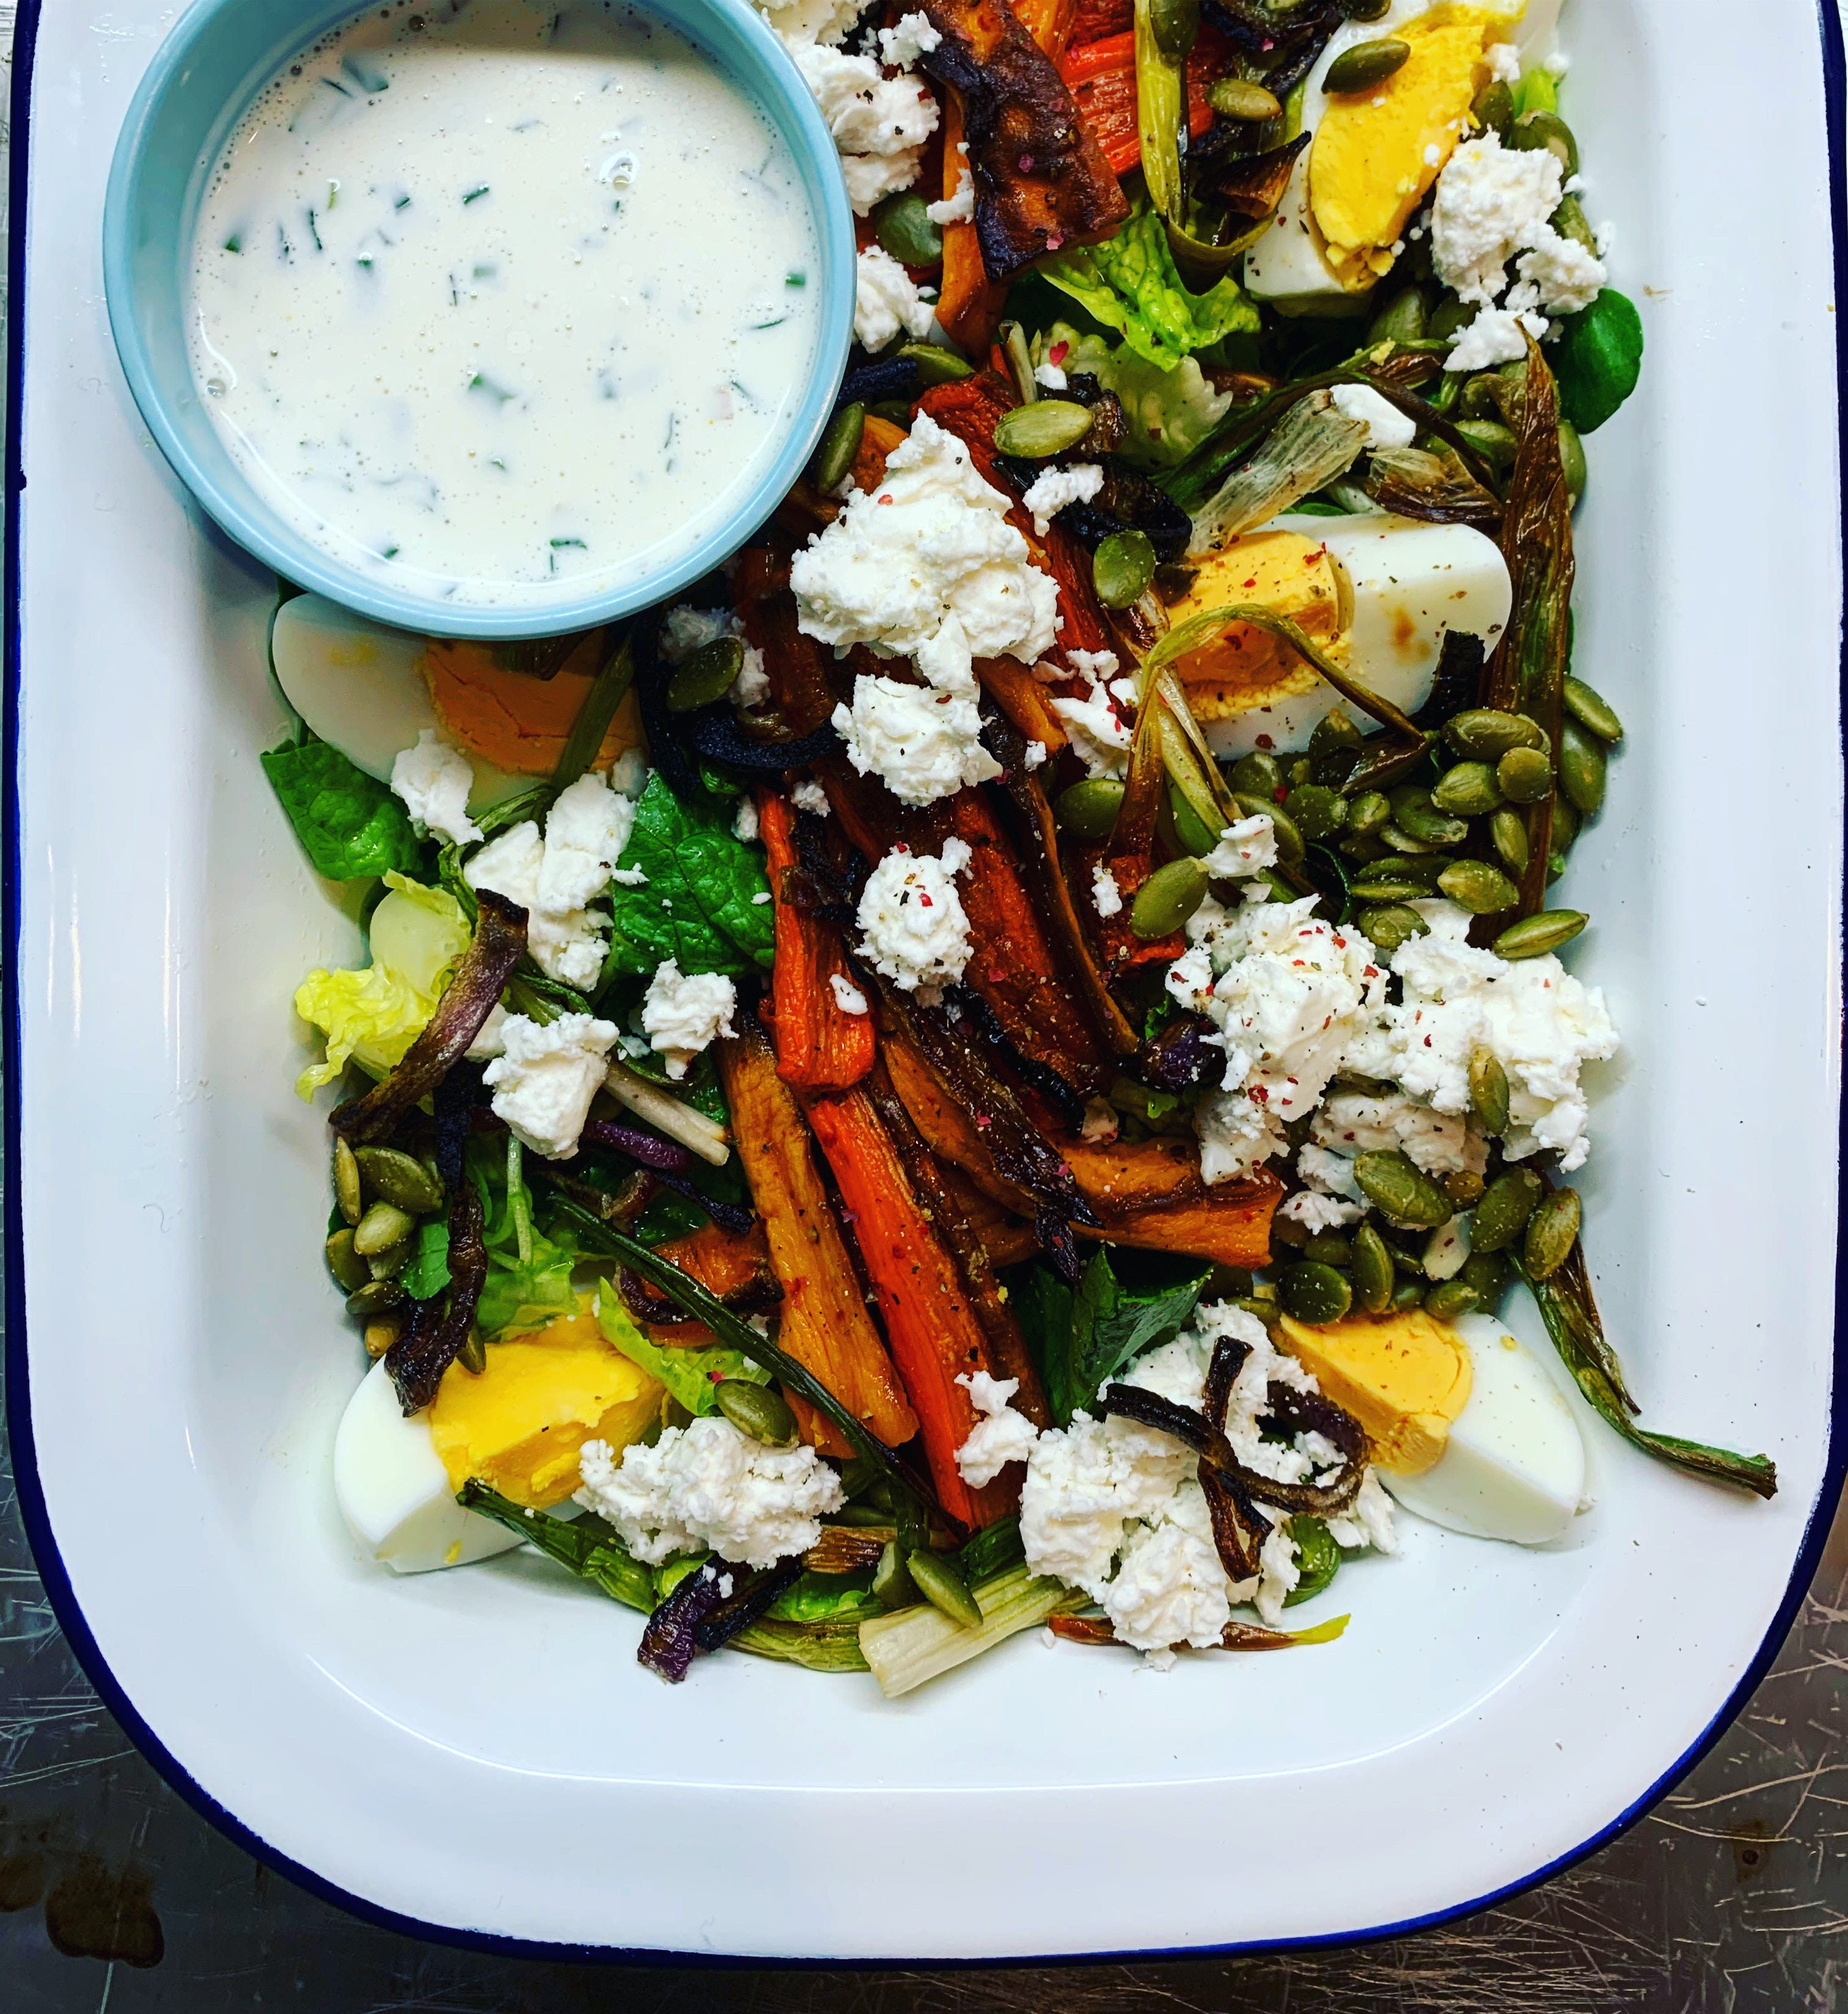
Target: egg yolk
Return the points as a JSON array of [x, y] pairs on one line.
[[1243, 666], [1404, 1376], [518, 722]]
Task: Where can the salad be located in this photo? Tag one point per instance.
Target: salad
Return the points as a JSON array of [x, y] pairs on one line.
[[996, 1064]]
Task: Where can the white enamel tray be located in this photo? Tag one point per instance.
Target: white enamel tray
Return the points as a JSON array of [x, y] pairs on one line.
[[477, 1752]]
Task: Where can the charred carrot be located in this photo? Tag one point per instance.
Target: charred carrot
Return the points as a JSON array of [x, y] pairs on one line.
[[735, 1266], [825, 1325], [820, 1045], [1020, 696], [969, 303], [935, 1335], [799, 670]]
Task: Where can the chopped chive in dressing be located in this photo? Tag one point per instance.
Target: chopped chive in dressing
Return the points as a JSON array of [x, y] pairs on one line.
[[475, 194]]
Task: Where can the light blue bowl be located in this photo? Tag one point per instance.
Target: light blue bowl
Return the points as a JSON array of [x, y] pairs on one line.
[[203, 78]]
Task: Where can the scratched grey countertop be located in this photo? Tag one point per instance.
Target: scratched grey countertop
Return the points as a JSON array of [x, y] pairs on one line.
[[1731, 1898]]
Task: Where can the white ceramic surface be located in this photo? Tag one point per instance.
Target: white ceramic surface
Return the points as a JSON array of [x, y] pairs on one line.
[[477, 1750]]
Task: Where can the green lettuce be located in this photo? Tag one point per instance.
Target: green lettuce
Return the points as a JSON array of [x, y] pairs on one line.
[[529, 1280], [1171, 410], [689, 1375], [349, 823], [816, 1598], [1082, 1338], [695, 905], [1130, 283]]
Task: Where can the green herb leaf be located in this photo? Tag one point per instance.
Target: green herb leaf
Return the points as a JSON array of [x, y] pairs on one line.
[[1082, 1340], [695, 905], [690, 1375], [428, 1273], [349, 823], [1318, 1558], [817, 1597], [1598, 359]]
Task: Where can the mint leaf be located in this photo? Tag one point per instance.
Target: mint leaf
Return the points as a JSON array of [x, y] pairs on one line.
[[349, 823], [695, 905], [428, 1273], [1598, 360], [1082, 1340], [689, 1375]]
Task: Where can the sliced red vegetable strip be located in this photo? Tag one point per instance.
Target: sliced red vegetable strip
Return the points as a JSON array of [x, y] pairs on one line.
[[820, 1045]]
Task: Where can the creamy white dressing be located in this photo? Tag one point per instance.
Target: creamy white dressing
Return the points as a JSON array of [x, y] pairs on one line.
[[504, 303]]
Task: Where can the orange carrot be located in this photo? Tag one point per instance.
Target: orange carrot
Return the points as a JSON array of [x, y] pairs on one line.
[[935, 1333], [968, 302], [820, 1045], [1020, 696]]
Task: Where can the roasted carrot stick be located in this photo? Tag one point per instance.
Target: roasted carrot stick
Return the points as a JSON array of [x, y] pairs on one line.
[[820, 1045], [825, 1325], [725, 1262], [935, 1335], [799, 668], [969, 304]]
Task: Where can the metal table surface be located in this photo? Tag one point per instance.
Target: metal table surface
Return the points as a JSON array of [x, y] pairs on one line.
[[115, 1896]]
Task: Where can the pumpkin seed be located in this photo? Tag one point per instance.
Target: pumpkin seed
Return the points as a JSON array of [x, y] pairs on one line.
[[1415, 814], [381, 1334], [1509, 831], [1328, 1247], [1402, 842], [473, 1355], [1366, 10], [1404, 1195], [1570, 221], [1089, 810], [1468, 789], [400, 1179], [1490, 439], [944, 1588], [1474, 885], [1565, 825], [897, 411], [1365, 65], [1047, 427], [1592, 711], [1124, 563], [1572, 461], [1463, 1186], [1389, 926], [937, 364], [903, 226], [1319, 812], [1552, 1230], [1267, 1312], [1444, 1256], [1484, 732], [387, 1264], [1487, 1272], [706, 675], [1175, 25], [1502, 1214], [1421, 869], [1524, 775], [346, 1264], [1582, 765], [1488, 1092], [756, 1410], [1167, 898], [1404, 318], [1494, 109], [1315, 1294], [1238, 97], [1335, 732], [376, 1297], [346, 1186], [840, 444], [1190, 830], [1372, 1270], [892, 1585], [1450, 317], [1368, 813], [1257, 776], [1453, 1298], [1532, 130], [383, 1225], [1289, 840], [1533, 936], [1407, 1296]]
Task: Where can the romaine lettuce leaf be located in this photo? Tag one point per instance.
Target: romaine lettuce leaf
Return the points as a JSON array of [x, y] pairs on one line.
[[1170, 411], [1131, 282], [689, 1375], [695, 905], [349, 823]]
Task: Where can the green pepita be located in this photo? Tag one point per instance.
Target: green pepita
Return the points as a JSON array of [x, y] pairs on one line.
[[1494, 109], [944, 1588], [1449, 318], [1532, 130], [1319, 812], [387, 1264], [346, 1183], [346, 1264], [1368, 813], [756, 1410], [1167, 898], [1452, 1298], [1572, 461], [1390, 926], [937, 364], [1124, 563], [1334, 733], [1404, 319], [1315, 1294], [1502, 1214], [1566, 825], [1490, 439], [1328, 1247], [1416, 815], [1175, 25], [380, 1335], [1192, 834], [1474, 885], [1484, 733], [1468, 791], [1047, 427], [1408, 1295], [1533, 936], [1464, 1187], [1570, 221], [1367, 10], [1552, 1230], [904, 227], [1488, 1092], [840, 444], [706, 675], [383, 1225], [1088, 810], [473, 1355], [1284, 828], [400, 1179], [892, 1585], [1365, 66], [1403, 1195], [1593, 712], [1372, 1270], [376, 1297], [1524, 775], [1509, 831], [1257, 775], [1237, 97], [1582, 764], [1488, 1272]]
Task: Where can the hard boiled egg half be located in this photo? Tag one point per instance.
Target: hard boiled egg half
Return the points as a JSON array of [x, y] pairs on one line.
[[1378, 593], [370, 691]]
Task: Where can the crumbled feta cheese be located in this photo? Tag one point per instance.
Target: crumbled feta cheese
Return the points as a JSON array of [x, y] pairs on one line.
[[434, 781], [684, 1013], [1359, 1122], [1170, 1588], [1049, 378], [1247, 848], [1053, 488], [924, 742], [1100, 1124], [586, 831], [1084, 1484], [912, 924], [1037, 752], [827, 21], [488, 1042], [1370, 1520], [1288, 993], [1278, 1572], [913, 37], [1317, 1212], [1094, 665], [1557, 64], [1495, 337], [1104, 891], [960, 208], [566, 944], [886, 300], [1386, 425], [999, 1435], [752, 686], [707, 1484], [1504, 60], [808, 796], [880, 124], [545, 1077], [1564, 276], [1100, 735], [1329, 1173], [1491, 201], [629, 773], [848, 996], [930, 542], [744, 820], [685, 629]]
